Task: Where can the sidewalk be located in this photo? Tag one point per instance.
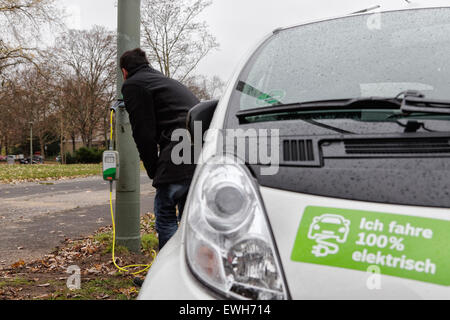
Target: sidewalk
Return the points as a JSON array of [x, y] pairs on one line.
[[34, 219]]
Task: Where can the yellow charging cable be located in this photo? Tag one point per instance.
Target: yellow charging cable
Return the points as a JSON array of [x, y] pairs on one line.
[[111, 127], [125, 268]]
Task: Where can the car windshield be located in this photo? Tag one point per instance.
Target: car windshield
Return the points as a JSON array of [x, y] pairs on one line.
[[373, 55]]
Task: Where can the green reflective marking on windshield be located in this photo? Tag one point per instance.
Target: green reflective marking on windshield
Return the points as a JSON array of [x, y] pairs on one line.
[[271, 98], [400, 245]]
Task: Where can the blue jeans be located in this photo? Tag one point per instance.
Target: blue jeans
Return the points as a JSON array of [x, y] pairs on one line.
[[168, 197]]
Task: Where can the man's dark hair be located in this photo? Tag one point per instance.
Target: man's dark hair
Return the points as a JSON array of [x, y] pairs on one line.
[[132, 59]]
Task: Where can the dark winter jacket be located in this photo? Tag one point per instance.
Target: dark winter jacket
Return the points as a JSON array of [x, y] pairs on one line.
[[157, 105]]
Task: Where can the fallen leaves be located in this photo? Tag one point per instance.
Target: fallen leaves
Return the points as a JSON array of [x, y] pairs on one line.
[[127, 291], [46, 278], [43, 285], [18, 264]]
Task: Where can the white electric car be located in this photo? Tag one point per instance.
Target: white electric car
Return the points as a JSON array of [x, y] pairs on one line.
[[337, 181]]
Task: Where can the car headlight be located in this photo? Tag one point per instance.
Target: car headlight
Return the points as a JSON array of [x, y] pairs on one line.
[[229, 245]]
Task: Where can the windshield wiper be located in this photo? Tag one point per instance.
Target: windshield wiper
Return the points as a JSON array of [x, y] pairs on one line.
[[338, 104], [412, 102], [413, 126], [419, 104], [285, 109], [415, 102], [326, 126]]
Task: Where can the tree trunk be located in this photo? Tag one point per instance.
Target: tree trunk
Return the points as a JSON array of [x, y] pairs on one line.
[[73, 144], [41, 144], [61, 146]]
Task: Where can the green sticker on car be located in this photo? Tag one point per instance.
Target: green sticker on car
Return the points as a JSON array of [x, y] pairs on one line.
[[400, 245]]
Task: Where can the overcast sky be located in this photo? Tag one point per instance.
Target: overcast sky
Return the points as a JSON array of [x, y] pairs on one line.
[[238, 25]]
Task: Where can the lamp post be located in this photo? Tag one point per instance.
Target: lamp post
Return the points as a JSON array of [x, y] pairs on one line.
[[128, 186], [31, 142]]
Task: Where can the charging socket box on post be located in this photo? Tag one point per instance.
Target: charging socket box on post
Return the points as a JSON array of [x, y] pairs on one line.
[[110, 165]]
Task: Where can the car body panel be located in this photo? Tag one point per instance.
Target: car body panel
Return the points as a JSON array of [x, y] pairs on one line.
[[312, 281], [304, 280], [169, 278]]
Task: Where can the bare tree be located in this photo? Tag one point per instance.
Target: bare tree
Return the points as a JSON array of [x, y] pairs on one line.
[[205, 88], [88, 78], [176, 42], [26, 98], [22, 22], [34, 102], [8, 129]]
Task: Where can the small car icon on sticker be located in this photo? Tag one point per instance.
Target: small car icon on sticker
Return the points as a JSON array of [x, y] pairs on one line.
[[325, 228]]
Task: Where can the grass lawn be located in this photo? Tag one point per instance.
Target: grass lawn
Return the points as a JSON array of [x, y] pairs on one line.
[[23, 172]]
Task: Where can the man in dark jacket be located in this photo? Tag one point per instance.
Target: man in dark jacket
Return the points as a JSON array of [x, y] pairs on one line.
[[158, 105]]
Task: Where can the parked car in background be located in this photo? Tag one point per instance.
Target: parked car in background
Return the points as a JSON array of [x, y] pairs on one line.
[[36, 160], [3, 158]]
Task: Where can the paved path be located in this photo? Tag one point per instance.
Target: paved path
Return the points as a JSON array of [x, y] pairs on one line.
[[35, 217]]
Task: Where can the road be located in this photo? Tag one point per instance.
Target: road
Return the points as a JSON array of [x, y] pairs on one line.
[[35, 217]]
